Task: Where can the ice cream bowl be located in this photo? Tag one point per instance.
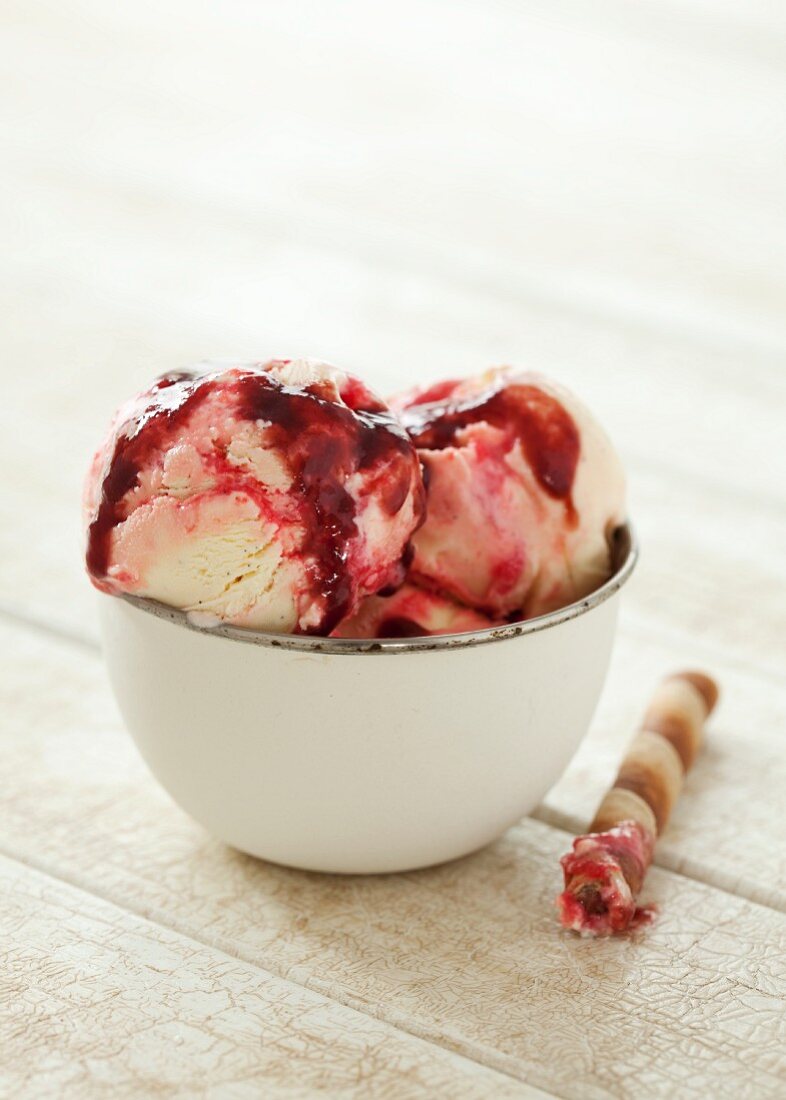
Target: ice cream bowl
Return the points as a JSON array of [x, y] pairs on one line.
[[361, 756]]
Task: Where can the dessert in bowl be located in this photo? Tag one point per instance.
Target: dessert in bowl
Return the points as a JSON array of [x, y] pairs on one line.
[[293, 629]]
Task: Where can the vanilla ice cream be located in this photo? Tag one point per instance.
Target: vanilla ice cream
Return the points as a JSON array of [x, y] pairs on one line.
[[523, 491], [271, 496]]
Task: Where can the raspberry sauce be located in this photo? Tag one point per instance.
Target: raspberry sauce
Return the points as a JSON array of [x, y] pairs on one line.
[[322, 441], [548, 434], [160, 413]]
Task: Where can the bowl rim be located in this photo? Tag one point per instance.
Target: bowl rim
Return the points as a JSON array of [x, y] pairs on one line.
[[625, 554]]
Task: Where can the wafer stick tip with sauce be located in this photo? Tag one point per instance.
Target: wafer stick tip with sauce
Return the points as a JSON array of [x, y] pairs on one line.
[[605, 869]]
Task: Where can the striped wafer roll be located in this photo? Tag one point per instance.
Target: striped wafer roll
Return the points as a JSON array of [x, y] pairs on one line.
[[606, 868]]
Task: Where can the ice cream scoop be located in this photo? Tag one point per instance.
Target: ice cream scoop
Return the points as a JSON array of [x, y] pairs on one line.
[[270, 496], [410, 612], [523, 491]]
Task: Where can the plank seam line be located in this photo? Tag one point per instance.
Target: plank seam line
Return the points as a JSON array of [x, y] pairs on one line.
[[59, 631]]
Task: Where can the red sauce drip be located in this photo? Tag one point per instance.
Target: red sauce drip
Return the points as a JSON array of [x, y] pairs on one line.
[[324, 443], [400, 576], [167, 406], [397, 626], [547, 433], [594, 917], [591, 901]]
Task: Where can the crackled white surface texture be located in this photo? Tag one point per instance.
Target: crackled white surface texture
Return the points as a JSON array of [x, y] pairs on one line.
[[594, 191], [466, 956], [98, 1002]]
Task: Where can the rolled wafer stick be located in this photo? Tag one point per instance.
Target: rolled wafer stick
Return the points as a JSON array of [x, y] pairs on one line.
[[605, 870]]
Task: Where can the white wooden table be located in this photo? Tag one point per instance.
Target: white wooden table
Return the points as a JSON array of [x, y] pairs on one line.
[[594, 190]]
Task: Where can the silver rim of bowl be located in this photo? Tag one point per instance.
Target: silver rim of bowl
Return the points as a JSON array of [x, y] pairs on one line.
[[625, 553]]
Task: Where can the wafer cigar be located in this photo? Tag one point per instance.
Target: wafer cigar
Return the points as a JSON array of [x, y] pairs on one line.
[[605, 870]]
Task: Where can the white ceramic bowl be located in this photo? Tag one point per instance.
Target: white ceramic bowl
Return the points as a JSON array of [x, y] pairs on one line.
[[360, 756]]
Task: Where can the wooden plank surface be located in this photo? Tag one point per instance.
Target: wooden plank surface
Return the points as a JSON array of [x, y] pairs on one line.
[[97, 1002], [595, 192], [467, 956]]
